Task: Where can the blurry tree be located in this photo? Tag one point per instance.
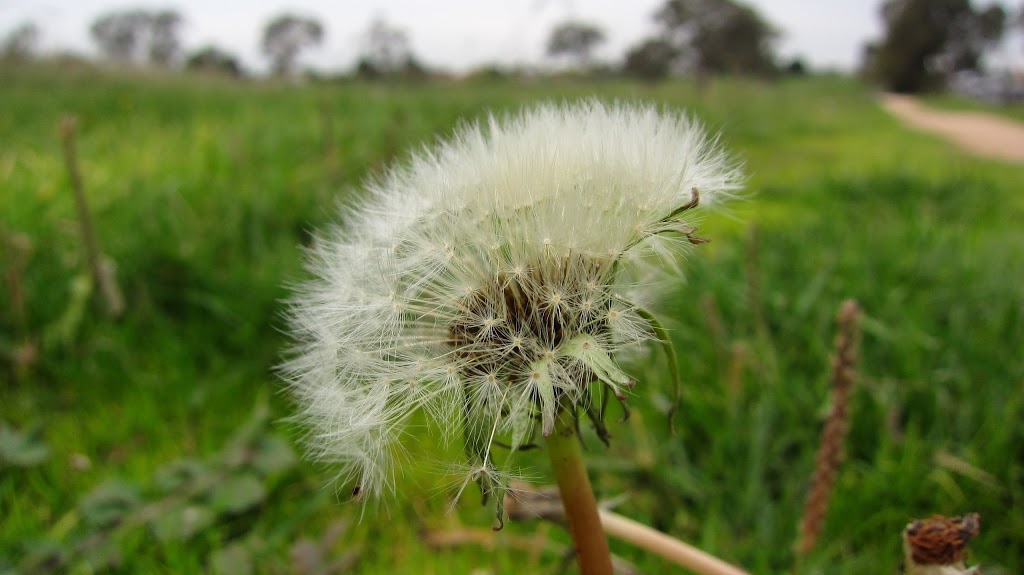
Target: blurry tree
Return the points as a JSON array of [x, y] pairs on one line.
[[650, 60], [796, 67], [286, 36], [575, 40], [927, 40], [213, 59], [164, 44], [386, 52], [21, 42], [868, 59], [121, 35], [718, 36], [491, 73]]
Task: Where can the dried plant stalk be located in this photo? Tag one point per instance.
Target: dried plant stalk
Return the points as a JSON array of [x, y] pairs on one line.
[[715, 323], [532, 546], [15, 249], [833, 437], [102, 270], [525, 503]]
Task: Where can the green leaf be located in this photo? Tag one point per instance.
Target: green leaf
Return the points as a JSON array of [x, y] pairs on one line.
[[540, 378], [109, 502], [522, 427], [272, 454], [673, 363], [63, 331], [238, 450], [21, 448], [41, 555], [178, 474], [101, 558], [238, 493], [588, 351], [235, 559], [181, 523]]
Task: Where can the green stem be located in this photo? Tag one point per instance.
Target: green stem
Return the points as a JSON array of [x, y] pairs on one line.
[[591, 545], [670, 354]]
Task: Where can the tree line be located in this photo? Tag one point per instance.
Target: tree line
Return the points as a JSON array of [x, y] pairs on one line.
[[153, 38], [927, 41], [924, 42]]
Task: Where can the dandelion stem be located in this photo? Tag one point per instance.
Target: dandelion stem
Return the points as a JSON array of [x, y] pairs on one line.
[[592, 551]]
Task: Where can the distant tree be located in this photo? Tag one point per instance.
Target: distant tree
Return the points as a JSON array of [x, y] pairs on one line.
[[213, 59], [386, 51], [414, 69], [164, 45], [650, 60], [718, 36], [575, 40], [490, 73], [796, 67], [121, 35], [286, 36], [927, 40], [21, 42]]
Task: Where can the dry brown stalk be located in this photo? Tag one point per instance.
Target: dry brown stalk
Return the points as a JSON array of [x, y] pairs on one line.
[[734, 373], [16, 248], [489, 539], [527, 503], [833, 437], [101, 269]]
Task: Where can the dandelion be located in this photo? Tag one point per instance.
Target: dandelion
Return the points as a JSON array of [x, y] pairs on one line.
[[490, 282]]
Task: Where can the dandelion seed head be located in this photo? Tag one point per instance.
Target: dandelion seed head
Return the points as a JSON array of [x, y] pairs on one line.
[[484, 281]]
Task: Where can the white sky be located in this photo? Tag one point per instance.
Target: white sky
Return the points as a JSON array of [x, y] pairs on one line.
[[454, 34]]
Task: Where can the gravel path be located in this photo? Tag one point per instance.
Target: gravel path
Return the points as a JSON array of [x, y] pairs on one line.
[[978, 133]]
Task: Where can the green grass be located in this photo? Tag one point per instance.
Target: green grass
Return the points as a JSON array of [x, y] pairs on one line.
[[204, 191]]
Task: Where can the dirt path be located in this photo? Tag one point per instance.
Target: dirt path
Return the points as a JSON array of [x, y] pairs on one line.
[[978, 133]]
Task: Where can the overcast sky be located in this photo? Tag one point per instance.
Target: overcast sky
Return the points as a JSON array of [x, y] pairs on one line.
[[454, 34]]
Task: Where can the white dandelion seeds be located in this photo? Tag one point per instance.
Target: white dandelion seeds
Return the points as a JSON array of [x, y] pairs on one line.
[[486, 282]]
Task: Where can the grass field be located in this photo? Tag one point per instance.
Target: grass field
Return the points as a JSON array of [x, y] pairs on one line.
[[154, 444]]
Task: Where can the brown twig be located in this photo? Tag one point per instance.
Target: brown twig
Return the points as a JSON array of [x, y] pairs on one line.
[[545, 504], [101, 269], [16, 248], [833, 437], [489, 539]]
